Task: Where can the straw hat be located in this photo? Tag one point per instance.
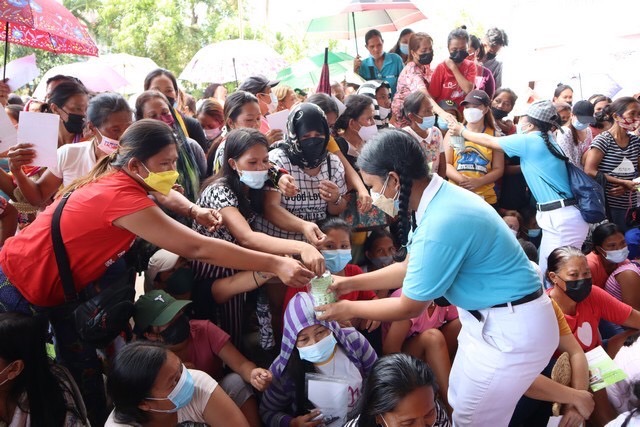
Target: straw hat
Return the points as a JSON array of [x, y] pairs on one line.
[[561, 373]]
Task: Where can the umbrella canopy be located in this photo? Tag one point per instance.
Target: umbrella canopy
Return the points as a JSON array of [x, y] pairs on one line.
[[306, 72], [96, 76], [133, 68], [232, 60], [46, 25], [324, 86], [360, 16]]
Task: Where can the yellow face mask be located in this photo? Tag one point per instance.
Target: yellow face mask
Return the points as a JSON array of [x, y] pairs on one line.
[[162, 182]]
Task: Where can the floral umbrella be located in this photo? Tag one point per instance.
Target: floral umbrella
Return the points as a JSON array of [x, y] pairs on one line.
[[43, 24]]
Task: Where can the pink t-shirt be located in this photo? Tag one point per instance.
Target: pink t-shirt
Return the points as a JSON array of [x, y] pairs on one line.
[[206, 342], [612, 286], [598, 305], [423, 322]]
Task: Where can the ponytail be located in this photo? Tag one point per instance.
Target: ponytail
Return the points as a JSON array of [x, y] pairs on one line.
[[545, 129]]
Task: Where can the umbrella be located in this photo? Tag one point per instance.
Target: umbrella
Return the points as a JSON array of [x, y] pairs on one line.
[[361, 16], [232, 60], [43, 24], [96, 76], [133, 68], [306, 72], [324, 86]]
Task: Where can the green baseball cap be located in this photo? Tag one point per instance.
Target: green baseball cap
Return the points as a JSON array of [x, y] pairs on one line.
[[156, 308]]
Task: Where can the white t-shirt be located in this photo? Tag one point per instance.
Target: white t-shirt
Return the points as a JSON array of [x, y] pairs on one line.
[[633, 422], [74, 161], [341, 367], [204, 386]]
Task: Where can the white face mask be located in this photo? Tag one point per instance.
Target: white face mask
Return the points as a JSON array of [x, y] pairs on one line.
[[472, 115], [384, 112], [617, 256], [274, 103], [367, 132]]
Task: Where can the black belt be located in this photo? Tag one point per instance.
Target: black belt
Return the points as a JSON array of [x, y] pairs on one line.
[[543, 207], [527, 298]]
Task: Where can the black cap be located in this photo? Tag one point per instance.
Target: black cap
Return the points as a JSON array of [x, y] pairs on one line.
[[448, 104], [257, 84], [476, 97], [583, 110]]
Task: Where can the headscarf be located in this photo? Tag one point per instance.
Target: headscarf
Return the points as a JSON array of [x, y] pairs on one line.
[[304, 118]]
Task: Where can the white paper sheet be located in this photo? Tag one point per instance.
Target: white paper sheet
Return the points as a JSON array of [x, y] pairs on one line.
[[21, 71], [41, 130], [8, 133], [278, 120], [555, 422], [330, 398]]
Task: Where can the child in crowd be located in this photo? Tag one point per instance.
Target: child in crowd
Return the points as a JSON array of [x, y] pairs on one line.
[[313, 346]]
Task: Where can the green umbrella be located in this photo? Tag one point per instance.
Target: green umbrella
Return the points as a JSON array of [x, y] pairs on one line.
[[306, 72]]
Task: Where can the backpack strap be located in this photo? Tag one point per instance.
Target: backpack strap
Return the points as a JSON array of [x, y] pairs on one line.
[[62, 258]]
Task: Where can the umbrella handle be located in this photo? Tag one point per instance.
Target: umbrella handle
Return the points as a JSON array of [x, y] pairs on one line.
[[6, 51], [355, 34]]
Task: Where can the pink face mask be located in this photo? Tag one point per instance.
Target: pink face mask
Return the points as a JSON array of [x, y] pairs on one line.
[[167, 118], [629, 124], [108, 145]]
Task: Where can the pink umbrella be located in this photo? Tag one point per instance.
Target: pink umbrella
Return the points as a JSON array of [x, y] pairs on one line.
[[43, 24], [95, 75]]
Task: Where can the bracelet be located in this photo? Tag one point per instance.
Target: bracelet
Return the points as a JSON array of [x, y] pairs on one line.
[[255, 280], [338, 200], [461, 131], [191, 210]]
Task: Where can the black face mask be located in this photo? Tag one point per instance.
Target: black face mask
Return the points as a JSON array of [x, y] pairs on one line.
[[75, 123], [499, 114], [490, 56], [578, 290], [314, 151], [458, 56], [180, 282], [178, 331], [425, 58]]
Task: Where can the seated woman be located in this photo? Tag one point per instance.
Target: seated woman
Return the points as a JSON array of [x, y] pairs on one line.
[[379, 249], [150, 386], [584, 306], [313, 346], [609, 253], [210, 115], [26, 372], [630, 418], [400, 391], [432, 336], [472, 166], [203, 346]]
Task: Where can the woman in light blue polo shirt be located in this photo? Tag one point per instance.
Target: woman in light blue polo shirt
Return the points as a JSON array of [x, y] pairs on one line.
[[545, 173], [462, 250], [380, 65]]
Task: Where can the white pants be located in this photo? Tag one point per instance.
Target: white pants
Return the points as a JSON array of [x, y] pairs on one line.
[[498, 358], [560, 227]]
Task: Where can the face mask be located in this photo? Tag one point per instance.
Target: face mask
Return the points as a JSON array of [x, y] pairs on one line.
[[490, 56], [425, 58], [579, 125], [367, 132], [600, 117], [384, 113], [628, 124], [617, 256], [2, 372], [167, 118], [519, 129], [254, 179], [427, 122], [211, 134], [75, 123], [443, 125], [472, 115], [578, 290], [499, 114], [514, 232], [181, 281], [162, 182], [314, 151], [178, 332], [382, 261], [404, 48], [320, 351], [385, 204], [534, 232], [336, 260], [274, 103], [181, 394], [459, 56], [172, 101], [108, 145]]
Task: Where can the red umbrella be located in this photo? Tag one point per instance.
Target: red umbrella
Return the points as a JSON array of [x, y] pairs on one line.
[[324, 86], [43, 24]]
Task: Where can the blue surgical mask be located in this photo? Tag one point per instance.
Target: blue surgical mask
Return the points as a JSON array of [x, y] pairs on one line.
[[534, 232], [336, 260], [404, 48], [320, 351], [579, 125], [427, 122], [254, 179], [181, 394], [618, 255], [443, 125], [381, 261]]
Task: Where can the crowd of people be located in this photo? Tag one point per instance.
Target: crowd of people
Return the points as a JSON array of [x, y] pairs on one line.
[[463, 269]]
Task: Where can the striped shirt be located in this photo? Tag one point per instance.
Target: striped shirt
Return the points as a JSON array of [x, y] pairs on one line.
[[612, 286], [621, 163]]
